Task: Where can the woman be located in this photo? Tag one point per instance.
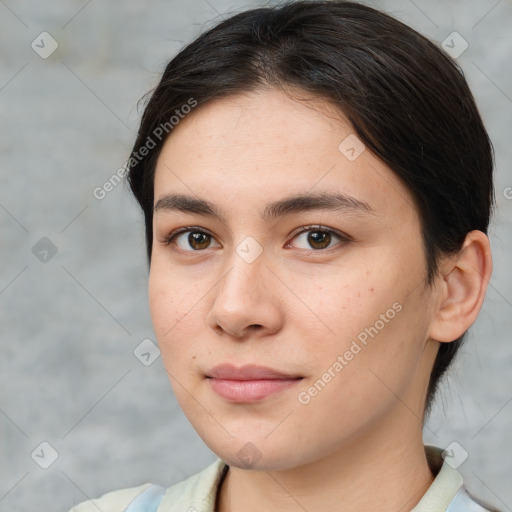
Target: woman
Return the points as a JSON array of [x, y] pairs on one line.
[[317, 185]]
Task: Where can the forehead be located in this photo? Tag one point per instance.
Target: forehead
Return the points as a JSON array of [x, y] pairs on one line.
[[264, 145]]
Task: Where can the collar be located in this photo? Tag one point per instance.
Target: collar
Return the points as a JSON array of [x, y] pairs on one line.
[[445, 486], [198, 493]]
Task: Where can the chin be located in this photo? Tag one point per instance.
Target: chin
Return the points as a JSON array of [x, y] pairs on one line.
[[257, 454]]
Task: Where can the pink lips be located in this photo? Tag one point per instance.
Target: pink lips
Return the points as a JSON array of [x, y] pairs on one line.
[[248, 383]]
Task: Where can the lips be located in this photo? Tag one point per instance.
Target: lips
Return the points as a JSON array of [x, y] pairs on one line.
[[248, 372], [249, 383]]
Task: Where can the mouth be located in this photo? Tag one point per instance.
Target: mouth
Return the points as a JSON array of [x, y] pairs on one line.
[[249, 383]]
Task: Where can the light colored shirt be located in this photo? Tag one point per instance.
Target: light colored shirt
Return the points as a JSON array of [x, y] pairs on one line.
[[198, 493]]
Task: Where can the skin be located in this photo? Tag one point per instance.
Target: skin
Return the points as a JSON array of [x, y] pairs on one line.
[[357, 444]]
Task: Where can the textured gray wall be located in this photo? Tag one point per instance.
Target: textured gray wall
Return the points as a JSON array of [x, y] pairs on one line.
[[70, 324]]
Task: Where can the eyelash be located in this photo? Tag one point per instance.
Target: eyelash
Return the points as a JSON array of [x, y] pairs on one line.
[[169, 239]]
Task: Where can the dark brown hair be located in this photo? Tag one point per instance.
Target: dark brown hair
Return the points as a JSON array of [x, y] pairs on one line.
[[405, 98]]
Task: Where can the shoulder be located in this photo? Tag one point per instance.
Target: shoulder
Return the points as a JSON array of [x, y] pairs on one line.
[[198, 492], [447, 492], [464, 501], [114, 501]]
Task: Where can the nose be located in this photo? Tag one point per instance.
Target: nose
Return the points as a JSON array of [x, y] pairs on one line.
[[245, 301]]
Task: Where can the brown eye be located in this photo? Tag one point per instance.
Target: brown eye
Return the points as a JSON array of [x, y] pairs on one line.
[[196, 240], [318, 238], [201, 239]]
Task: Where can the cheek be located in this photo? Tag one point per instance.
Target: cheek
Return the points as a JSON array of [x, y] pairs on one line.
[[370, 323], [161, 303], [345, 301], [170, 312], [172, 296], [358, 375]]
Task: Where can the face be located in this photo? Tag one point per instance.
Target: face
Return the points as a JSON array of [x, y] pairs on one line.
[[289, 328]]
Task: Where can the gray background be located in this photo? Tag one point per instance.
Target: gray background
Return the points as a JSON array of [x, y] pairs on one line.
[[69, 325]]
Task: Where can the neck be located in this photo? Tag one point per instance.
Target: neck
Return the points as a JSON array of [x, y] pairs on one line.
[[385, 470]]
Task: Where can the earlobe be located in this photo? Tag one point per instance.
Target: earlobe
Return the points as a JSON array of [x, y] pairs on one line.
[[462, 285]]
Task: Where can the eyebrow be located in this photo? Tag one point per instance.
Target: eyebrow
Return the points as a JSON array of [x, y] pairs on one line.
[[274, 209]]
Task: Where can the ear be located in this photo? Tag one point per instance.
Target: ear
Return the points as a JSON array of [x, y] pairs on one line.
[[461, 288]]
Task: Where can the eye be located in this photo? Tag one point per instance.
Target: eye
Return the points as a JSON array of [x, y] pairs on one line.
[[197, 239], [319, 238]]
